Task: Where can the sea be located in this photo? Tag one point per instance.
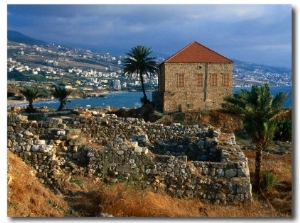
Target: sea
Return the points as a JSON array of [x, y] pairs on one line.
[[123, 99]]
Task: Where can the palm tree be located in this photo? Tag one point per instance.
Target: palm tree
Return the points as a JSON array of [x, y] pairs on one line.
[[259, 112], [31, 93], [61, 93], [138, 61]]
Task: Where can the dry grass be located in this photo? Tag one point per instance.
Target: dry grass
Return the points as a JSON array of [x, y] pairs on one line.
[[87, 196], [126, 201], [27, 197], [122, 201], [225, 122], [279, 197], [166, 120]]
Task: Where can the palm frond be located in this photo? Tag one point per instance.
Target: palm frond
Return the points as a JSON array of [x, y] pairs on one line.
[[139, 61]]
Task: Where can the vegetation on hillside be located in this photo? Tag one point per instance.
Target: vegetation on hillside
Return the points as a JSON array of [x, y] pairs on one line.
[[259, 112], [61, 93], [31, 94]]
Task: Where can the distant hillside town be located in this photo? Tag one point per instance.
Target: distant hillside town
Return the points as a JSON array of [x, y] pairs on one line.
[[74, 67], [91, 71]]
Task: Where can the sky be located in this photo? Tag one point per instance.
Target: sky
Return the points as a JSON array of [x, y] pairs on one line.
[[258, 33]]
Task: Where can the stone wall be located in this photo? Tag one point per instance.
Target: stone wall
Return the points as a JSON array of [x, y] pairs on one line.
[[185, 161], [192, 96]]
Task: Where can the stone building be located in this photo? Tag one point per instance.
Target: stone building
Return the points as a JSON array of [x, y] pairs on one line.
[[193, 79]]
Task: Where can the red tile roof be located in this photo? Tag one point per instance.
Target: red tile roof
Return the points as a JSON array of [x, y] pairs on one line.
[[197, 53]]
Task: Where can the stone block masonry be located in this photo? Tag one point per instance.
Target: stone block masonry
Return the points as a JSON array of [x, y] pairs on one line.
[[185, 161], [193, 96], [193, 79]]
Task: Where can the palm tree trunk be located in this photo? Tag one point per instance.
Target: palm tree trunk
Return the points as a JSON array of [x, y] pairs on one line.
[[30, 105], [143, 87], [258, 159], [60, 108], [61, 105]]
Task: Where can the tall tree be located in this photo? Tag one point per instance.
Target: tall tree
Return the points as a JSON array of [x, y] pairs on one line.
[[259, 111], [139, 61], [61, 93], [31, 93]]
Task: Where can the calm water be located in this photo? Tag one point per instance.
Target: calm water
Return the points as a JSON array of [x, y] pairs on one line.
[[131, 99]]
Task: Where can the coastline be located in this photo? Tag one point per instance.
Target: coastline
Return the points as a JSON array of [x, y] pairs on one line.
[[23, 103], [15, 102], [12, 103]]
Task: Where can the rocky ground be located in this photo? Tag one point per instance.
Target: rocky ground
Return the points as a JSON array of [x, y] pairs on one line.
[[120, 200]]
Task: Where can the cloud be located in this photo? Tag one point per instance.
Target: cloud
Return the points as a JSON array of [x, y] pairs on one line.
[[163, 27]]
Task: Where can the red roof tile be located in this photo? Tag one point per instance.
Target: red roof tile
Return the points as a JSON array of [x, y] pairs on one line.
[[197, 53]]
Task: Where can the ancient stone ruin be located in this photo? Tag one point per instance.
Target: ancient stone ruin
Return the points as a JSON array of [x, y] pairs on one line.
[[185, 161]]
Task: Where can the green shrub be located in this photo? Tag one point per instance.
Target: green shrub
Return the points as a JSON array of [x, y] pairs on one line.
[[267, 181], [147, 110], [178, 117], [78, 182], [36, 116], [203, 112], [284, 130]]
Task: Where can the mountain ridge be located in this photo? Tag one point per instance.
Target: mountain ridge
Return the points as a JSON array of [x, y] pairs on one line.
[[16, 36]]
